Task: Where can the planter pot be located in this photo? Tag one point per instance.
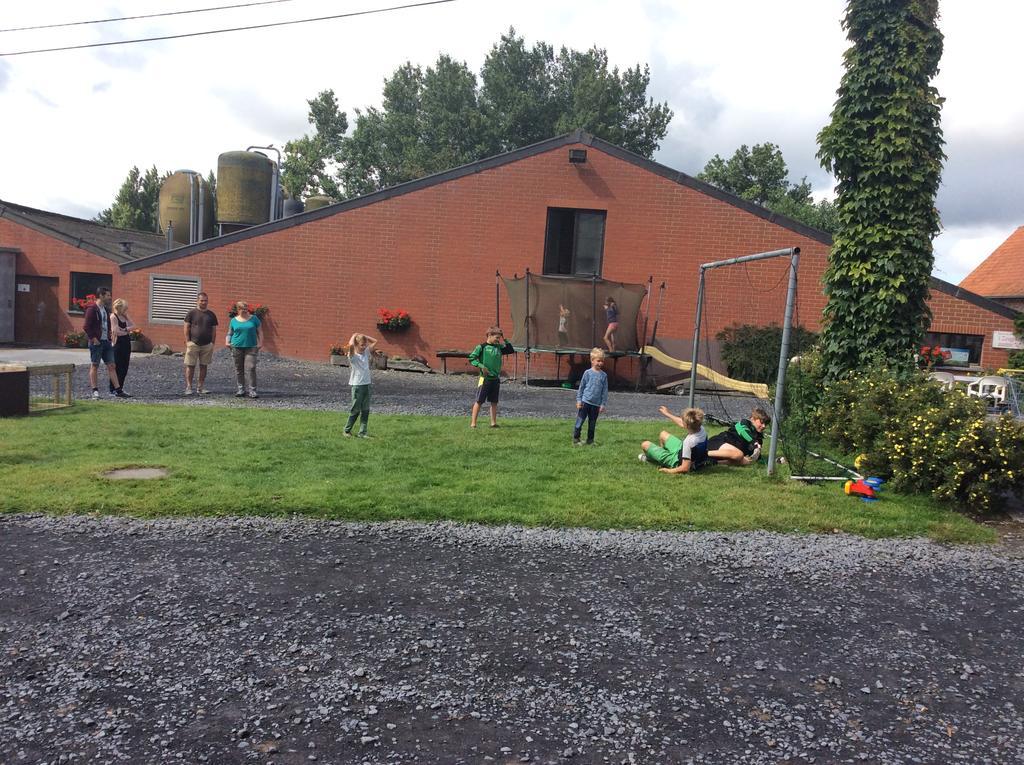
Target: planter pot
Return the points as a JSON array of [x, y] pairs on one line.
[[138, 345], [338, 360], [386, 328]]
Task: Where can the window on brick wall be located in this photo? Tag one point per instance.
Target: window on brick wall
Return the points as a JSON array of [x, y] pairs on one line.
[[83, 287], [171, 297], [965, 350], [574, 244]]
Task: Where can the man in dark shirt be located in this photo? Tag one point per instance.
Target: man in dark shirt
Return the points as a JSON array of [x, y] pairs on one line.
[[200, 334]]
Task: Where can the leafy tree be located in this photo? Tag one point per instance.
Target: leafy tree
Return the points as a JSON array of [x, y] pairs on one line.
[[136, 203], [434, 119], [884, 146], [760, 175], [307, 163]]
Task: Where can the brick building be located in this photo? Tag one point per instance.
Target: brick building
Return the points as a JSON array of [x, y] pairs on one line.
[[1001, 275], [432, 247]]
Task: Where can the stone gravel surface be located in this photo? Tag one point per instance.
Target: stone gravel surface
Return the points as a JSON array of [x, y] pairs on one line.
[[256, 641], [290, 384]]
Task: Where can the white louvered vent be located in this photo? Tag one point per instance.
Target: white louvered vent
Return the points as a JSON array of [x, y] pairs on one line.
[[171, 297]]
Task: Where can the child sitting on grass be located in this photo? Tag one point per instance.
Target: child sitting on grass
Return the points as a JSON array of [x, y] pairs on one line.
[[740, 443], [673, 455], [591, 397]]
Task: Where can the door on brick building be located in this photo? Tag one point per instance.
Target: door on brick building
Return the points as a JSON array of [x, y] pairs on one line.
[[36, 308]]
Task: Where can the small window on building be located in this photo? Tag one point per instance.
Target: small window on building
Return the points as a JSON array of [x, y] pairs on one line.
[[171, 297], [964, 350], [574, 245], [83, 287]]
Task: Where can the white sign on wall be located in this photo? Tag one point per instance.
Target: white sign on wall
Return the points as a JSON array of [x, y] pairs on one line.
[[1007, 340], [24, 288]]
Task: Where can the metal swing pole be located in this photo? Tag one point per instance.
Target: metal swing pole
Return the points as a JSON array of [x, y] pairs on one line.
[[696, 338], [780, 384]]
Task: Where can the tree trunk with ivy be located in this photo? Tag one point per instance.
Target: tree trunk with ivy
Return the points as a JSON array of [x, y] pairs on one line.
[[884, 147]]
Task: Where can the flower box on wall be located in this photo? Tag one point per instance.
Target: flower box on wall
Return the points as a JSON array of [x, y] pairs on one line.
[[393, 321]]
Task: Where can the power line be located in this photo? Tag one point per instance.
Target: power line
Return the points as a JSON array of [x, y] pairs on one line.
[[147, 16], [231, 29]]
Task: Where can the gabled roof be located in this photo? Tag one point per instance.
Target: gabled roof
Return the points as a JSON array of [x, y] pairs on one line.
[[489, 163], [1001, 274], [97, 238]]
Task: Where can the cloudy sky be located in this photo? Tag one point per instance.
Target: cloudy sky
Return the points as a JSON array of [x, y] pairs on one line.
[[733, 71]]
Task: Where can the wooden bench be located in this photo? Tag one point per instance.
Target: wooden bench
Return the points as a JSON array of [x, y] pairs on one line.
[[445, 355]]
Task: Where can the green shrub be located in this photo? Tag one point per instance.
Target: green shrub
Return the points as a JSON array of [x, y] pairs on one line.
[[924, 439], [751, 353], [1016, 360]]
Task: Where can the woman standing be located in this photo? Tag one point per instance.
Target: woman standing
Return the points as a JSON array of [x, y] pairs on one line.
[[244, 338], [120, 327]]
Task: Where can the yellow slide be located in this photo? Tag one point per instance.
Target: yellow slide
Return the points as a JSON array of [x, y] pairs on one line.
[[755, 389]]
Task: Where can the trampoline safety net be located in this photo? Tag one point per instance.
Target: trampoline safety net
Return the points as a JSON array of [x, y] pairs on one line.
[[577, 305]]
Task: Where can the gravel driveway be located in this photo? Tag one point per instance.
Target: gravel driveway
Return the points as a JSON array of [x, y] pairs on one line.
[[290, 384], [236, 641]]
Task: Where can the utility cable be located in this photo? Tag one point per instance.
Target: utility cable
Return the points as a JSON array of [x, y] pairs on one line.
[[146, 16], [231, 29]]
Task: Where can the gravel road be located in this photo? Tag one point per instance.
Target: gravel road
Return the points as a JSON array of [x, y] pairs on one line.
[[255, 641]]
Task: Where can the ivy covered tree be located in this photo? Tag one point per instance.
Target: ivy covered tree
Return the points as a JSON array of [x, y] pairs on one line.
[[136, 203], [760, 175], [884, 147]]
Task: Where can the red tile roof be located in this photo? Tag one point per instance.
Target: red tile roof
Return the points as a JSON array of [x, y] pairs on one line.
[[1001, 274]]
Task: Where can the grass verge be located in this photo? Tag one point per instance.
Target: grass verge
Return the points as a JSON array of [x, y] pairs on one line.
[[276, 463]]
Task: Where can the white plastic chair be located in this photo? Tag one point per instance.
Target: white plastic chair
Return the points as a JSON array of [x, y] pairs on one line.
[[945, 379], [990, 387]]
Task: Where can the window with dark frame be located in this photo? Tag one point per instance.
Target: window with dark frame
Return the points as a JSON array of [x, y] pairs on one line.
[[574, 242], [959, 346], [82, 285]]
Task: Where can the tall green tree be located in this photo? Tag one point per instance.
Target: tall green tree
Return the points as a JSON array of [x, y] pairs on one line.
[[760, 175], [308, 163], [884, 147], [136, 203], [434, 119]]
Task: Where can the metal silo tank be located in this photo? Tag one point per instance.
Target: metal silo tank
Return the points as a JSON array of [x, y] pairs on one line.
[[318, 201], [245, 187], [292, 207], [186, 202]]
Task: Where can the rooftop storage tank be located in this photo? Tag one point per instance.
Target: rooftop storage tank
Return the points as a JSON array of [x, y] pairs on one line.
[[245, 189], [186, 204], [292, 207], [318, 201]]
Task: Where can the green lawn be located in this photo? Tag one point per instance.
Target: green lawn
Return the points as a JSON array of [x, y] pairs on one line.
[[276, 463]]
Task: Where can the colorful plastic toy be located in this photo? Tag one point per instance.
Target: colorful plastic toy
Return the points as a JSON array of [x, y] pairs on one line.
[[865, 488]]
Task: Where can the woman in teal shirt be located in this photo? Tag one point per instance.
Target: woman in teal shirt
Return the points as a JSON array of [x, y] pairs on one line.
[[245, 338]]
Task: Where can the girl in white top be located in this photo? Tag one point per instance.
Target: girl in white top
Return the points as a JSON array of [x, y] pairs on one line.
[[360, 348]]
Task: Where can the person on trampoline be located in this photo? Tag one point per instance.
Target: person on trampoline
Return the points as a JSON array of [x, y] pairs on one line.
[[487, 358], [611, 312], [673, 455], [740, 443]]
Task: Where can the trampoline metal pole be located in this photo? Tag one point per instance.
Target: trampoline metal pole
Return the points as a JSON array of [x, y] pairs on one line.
[[593, 310], [643, 340], [497, 297], [696, 338], [527, 320]]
